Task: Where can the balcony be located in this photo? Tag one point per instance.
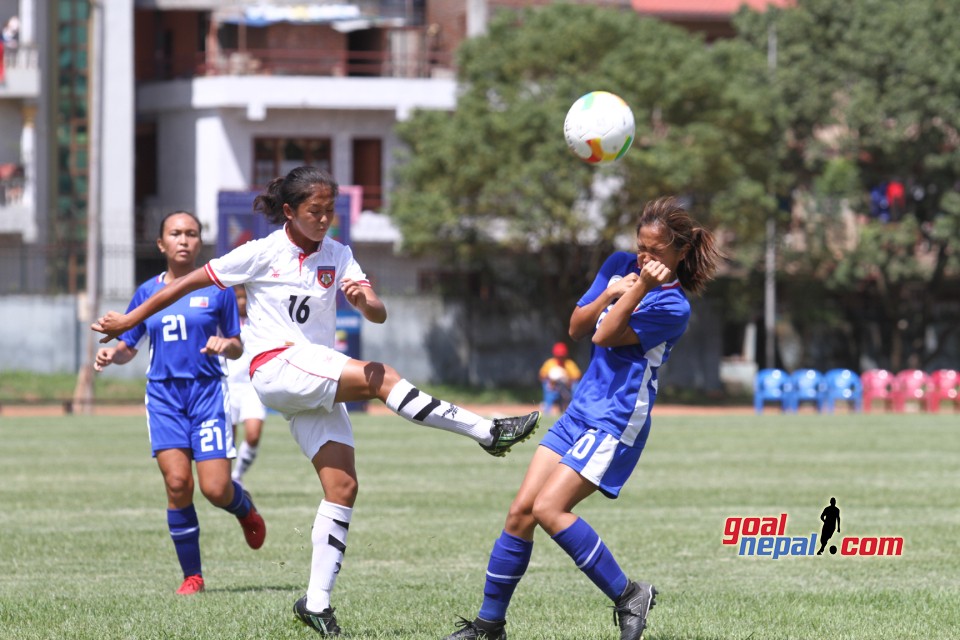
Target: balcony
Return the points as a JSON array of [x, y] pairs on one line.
[[305, 62], [20, 77]]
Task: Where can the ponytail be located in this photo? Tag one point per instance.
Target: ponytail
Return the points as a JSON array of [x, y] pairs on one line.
[[699, 265], [292, 189]]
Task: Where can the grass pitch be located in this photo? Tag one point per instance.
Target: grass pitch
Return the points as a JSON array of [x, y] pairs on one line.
[[85, 553]]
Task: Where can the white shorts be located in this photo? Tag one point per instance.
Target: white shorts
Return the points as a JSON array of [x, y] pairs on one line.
[[313, 429], [301, 378], [301, 383], [245, 403]]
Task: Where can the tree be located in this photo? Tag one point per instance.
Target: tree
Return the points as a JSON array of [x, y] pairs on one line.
[[493, 179], [871, 94]]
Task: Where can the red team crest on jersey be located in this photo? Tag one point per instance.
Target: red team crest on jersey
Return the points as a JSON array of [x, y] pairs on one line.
[[326, 276]]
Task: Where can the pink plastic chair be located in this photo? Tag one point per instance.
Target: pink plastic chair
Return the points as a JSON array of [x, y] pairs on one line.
[[877, 385], [946, 382], [913, 385]]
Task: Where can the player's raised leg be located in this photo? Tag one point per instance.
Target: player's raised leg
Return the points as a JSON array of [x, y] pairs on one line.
[[361, 380]]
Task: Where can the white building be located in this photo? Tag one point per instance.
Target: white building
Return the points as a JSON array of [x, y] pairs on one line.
[[19, 94]]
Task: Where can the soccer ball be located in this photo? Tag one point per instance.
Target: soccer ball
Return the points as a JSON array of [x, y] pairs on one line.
[[599, 127]]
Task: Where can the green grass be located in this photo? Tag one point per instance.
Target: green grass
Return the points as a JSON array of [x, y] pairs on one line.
[[85, 554], [26, 387]]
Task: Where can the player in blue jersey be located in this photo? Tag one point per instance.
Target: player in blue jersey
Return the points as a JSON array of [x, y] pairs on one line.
[[187, 403], [635, 312]]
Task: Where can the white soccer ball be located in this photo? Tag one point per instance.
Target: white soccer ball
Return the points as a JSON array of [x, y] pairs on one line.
[[599, 127]]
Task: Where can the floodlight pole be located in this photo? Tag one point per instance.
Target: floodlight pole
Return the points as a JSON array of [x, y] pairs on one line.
[[83, 392], [770, 257]]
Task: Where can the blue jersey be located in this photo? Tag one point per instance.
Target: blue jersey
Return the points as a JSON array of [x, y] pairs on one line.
[[183, 329], [619, 387]]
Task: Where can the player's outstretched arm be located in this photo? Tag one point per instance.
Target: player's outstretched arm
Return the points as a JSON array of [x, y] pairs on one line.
[[112, 324]]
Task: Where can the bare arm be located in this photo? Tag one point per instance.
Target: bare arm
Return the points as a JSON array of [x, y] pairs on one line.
[[615, 330], [120, 354], [365, 300], [584, 319], [113, 324], [230, 348]]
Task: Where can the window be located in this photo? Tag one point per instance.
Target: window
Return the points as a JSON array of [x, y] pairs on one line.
[[274, 157]]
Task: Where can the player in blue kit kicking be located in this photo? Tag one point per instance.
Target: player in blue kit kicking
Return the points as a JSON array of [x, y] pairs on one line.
[[636, 310], [187, 404], [292, 278]]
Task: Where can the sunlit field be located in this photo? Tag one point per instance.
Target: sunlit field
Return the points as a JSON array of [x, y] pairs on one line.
[[85, 553]]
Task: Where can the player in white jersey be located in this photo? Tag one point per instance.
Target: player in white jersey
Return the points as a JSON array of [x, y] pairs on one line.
[[635, 312], [186, 396], [292, 278], [246, 409]]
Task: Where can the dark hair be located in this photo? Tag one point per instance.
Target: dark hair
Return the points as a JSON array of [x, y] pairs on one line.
[[292, 189], [700, 263], [163, 221]]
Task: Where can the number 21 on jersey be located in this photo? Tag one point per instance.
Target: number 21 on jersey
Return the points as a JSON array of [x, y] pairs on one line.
[[174, 328]]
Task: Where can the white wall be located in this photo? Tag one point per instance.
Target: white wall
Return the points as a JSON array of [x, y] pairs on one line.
[[204, 151], [206, 127], [116, 153]]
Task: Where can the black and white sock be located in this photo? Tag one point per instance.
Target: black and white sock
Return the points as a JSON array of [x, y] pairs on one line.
[[421, 408], [329, 537], [245, 457]]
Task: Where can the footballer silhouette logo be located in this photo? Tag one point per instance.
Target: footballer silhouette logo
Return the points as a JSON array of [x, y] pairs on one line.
[[830, 517]]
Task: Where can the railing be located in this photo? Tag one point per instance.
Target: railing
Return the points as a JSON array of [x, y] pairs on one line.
[[306, 62], [20, 57]]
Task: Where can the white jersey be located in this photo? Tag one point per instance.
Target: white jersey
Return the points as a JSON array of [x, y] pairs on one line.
[[291, 296]]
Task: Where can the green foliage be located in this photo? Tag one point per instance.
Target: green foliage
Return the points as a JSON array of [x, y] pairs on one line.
[[860, 92], [873, 81], [870, 93], [87, 555], [495, 175]]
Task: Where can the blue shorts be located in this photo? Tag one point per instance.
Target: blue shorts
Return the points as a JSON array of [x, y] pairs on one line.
[[190, 414], [596, 455]]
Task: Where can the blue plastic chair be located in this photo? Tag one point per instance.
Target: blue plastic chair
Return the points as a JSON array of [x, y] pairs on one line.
[[806, 386], [842, 384], [771, 385]]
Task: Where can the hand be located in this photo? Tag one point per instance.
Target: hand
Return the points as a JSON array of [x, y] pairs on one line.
[[216, 345], [111, 325], [104, 358], [618, 288], [655, 273], [353, 292]]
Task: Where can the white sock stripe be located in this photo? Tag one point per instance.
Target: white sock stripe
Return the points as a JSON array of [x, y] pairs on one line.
[[496, 576], [334, 511], [398, 393], [592, 553], [183, 532]]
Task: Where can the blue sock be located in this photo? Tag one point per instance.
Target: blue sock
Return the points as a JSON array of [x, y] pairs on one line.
[[508, 563], [592, 557], [185, 532], [240, 506]]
